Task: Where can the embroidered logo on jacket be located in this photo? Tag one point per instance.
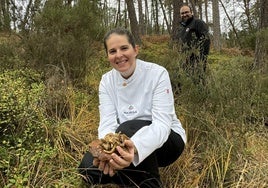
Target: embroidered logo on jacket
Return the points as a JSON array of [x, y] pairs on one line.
[[130, 111]]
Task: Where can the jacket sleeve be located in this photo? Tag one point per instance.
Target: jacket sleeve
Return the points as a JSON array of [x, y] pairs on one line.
[[149, 138], [203, 36], [108, 114]]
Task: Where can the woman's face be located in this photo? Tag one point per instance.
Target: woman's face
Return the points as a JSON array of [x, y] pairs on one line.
[[121, 54]]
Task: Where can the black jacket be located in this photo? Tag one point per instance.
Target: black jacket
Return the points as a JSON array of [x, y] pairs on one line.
[[194, 35]]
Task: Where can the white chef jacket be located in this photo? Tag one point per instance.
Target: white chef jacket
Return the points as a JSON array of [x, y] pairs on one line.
[[146, 95]]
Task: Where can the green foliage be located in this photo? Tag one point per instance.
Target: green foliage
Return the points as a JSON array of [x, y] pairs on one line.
[[65, 102], [246, 39], [246, 34], [154, 49], [263, 35], [25, 150], [64, 35], [236, 92], [21, 92], [223, 120], [8, 57], [231, 105], [232, 91], [27, 166]]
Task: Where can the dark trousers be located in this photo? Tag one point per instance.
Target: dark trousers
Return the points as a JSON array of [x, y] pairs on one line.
[[146, 174]]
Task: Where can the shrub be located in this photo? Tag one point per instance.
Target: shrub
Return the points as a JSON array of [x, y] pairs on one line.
[[24, 148], [64, 35], [21, 94], [8, 57]]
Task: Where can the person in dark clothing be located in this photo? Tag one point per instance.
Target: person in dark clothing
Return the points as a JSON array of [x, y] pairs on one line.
[[194, 38]]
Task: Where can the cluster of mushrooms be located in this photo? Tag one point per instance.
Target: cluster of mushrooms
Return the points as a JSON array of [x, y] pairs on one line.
[[103, 148]]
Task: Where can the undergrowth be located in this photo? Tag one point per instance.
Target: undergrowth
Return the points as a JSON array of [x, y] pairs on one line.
[[224, 121]]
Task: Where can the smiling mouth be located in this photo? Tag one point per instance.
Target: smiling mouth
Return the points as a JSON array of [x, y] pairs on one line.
[[121, 62]]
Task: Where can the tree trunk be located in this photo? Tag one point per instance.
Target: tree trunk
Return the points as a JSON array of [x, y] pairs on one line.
[[68, 2], [260, 61], [118, 14], [165, 16], [133, 20], [155, 16], [5, 19], [200, 10], [176, 18], [216, 25], [25, 20], [141, 18], [170, 16], [146, 16], [105, 14], [232, 24], [247, 13], [206, 10], [193, 5], [125, 16]]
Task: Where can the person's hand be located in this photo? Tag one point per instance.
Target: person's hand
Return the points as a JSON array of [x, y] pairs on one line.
[[103, 166], [109, 170], [96, 161], [125, 157]]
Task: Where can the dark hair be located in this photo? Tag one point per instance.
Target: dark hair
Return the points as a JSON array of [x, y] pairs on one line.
[[186, 5], [119, 31]]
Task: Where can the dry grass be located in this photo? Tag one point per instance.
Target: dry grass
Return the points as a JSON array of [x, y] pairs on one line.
[[220, 152]]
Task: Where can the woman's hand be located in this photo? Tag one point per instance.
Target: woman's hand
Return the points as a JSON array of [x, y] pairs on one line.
[[96, 161], [117, 162], [125, 158], [104, 166]]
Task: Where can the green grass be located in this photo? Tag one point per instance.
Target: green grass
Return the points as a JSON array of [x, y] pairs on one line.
[[227, 139]]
